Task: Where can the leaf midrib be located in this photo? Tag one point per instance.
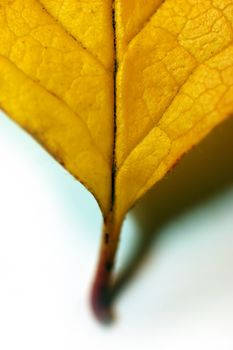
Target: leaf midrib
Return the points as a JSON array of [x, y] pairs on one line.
[[113, 170]]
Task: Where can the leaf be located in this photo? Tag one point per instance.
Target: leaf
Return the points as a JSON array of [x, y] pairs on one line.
[[117, 91]]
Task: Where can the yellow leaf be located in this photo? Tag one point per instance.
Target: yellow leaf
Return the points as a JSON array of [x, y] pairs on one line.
[[117, 91]]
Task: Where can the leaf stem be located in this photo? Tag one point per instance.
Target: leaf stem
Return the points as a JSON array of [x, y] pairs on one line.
[[101, 294]]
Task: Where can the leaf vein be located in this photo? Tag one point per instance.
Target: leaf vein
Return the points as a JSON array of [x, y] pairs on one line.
[[145, 23], [90, 53], [170, 103], [38, 83]]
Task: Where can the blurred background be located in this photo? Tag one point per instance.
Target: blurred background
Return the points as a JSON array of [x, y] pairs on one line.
[[175, 263]]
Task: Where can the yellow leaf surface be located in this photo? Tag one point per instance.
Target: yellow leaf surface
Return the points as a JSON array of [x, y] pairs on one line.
[[117, 91]]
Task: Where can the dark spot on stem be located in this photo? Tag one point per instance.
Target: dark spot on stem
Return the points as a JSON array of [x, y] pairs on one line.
[[108, 266], [106, 238]]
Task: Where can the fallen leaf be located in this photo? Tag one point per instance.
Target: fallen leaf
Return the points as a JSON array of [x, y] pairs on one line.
[[117, 91]]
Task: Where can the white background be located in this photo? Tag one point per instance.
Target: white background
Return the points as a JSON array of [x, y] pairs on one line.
[[182, 295]]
